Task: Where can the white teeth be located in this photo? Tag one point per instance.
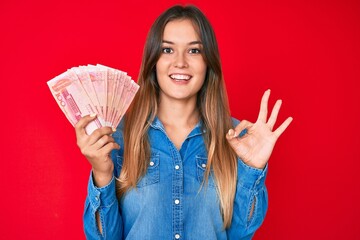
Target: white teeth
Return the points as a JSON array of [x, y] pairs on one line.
[[180, 77]]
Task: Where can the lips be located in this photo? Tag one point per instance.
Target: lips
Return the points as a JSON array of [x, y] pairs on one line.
[[180, 77]]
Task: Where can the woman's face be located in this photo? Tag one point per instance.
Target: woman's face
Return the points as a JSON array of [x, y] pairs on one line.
[[181, 68]]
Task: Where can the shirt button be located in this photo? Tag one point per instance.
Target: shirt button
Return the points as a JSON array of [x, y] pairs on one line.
[[152, 163], [203, 165], [177, 236], [177, 167], [177, 201]]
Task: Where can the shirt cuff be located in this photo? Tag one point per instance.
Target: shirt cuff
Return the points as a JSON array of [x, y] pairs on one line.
[[251, 178], [101, 197]]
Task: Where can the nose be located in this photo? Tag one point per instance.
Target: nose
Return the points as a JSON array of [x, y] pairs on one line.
[[180, 61]]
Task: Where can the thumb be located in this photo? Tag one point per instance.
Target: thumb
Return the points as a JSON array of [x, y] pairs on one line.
[[82, 123]]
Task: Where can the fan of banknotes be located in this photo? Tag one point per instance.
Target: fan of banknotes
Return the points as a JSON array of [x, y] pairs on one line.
[[100, 90]]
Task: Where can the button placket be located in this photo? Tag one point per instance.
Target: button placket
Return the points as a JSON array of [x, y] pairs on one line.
[[177, 191]]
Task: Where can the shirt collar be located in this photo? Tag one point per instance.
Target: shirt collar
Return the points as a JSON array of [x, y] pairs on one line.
[[157, 124]]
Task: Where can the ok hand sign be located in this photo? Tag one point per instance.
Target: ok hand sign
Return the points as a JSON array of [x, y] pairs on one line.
[[256, 145]]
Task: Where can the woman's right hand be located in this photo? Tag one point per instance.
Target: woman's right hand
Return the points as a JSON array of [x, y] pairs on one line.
[[96, 148]]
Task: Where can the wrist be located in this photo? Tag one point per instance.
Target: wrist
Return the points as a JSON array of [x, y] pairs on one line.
[[253, 165], [100, 178]]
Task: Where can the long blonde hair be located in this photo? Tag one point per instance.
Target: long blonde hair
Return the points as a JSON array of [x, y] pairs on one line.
[[211, 101]]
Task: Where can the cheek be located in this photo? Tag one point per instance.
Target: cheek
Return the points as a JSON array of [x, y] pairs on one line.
[[161, 72], [201, 68], [161, 66], [157, 66], [203, 74]]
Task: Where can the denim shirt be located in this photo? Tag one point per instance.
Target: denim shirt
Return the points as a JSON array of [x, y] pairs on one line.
[[170, 202]]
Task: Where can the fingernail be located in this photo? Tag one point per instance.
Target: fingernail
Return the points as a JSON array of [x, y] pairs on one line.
[[243, 132], [93, 115], [114, 129], [232, 133]]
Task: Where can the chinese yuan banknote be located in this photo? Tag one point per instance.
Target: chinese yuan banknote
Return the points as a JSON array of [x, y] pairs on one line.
[[100, 90]]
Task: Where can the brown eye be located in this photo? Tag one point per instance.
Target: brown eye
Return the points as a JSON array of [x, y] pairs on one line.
[[194, 51], [167, 50]]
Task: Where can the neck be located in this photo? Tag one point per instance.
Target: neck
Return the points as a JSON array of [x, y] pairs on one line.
[[182, 113]]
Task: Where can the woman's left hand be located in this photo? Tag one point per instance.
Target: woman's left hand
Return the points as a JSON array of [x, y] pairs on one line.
[[256, 145]]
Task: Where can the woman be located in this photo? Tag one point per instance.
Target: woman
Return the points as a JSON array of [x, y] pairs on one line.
[[180, 168]]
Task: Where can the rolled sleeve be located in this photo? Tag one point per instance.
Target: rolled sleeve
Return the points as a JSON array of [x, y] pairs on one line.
[[251, 178], [250, 203], [104, 201], [103, 197]]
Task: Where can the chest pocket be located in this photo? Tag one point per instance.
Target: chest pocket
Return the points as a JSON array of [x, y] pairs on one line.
[[201, 163], [153, 171]]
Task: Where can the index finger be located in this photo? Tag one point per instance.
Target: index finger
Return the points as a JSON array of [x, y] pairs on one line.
[[82, 123]]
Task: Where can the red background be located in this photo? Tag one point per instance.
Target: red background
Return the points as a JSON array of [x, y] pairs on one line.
[[307, 52]]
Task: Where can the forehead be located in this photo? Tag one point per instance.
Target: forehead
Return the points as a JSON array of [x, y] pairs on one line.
[[182, 29]]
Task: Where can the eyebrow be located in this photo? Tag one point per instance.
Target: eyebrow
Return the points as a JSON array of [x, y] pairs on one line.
[[190, 43]]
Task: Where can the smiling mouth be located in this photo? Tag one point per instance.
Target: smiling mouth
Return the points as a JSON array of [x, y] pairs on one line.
[[180, 77]]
